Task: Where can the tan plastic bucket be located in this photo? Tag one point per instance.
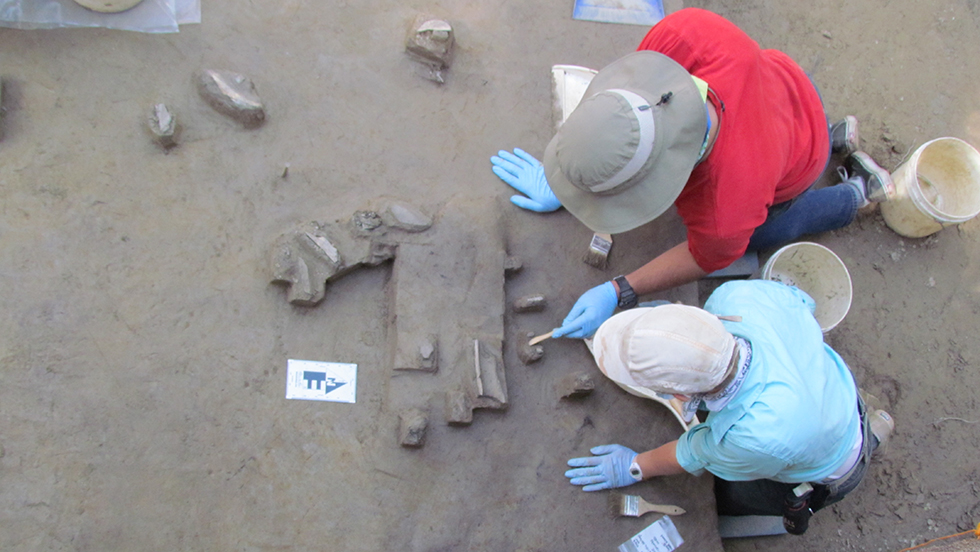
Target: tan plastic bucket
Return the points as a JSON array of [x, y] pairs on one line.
[[820, 273], [938, 186]]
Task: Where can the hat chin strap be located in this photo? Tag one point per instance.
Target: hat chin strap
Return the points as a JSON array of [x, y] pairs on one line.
[[644, 116]]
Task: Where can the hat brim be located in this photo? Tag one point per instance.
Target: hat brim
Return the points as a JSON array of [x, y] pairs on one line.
[[680, 124]]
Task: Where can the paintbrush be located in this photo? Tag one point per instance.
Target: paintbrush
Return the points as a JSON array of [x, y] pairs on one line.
[[635, 506], [535, 340], [598, 252]]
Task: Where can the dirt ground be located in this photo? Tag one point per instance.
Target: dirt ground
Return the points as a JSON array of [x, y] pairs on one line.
[[143, 349]]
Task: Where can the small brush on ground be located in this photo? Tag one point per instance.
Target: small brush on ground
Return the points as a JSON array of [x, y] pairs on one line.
[[598, 252], [635, 506], [529, 353], [535, 340]]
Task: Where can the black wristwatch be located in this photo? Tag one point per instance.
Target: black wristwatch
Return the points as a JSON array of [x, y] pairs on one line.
[[627, 297]]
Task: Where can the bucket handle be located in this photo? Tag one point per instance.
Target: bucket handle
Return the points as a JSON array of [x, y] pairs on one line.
[[905, 157]]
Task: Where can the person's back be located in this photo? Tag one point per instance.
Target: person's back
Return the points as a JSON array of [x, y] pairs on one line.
[[702, 118], [772, 143], [789, 420], [786, 433]]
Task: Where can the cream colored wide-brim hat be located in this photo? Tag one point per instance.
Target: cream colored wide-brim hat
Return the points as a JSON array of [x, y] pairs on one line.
[[673, 349], [626, 152]]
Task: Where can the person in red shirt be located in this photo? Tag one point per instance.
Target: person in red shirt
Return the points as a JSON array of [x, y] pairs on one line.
[[703, 118]]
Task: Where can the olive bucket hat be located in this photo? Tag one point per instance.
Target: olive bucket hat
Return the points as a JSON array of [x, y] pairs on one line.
[[625, 153]]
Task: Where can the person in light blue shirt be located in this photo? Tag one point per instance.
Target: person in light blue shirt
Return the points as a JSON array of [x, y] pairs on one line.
[[783, 407]]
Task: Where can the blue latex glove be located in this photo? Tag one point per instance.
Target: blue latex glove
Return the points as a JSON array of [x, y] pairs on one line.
[[525, 174], [592, 309], [608, 469]]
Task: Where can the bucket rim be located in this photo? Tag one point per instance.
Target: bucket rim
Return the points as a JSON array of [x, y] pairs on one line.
[[767, 273], [915, 191]]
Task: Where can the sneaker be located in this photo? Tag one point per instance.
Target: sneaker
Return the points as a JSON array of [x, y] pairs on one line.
[[844, 135], [871, 402], [882, 426], [877, 182]]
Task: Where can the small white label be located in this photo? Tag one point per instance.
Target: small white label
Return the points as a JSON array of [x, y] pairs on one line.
[[660, 536], [321, 381]]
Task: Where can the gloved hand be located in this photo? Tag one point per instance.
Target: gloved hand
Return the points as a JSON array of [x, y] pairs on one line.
[[592, 309], [525, 174], [608, 469]]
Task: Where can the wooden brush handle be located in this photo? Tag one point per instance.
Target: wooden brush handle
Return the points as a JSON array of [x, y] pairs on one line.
[[535, 340], [646, 507]]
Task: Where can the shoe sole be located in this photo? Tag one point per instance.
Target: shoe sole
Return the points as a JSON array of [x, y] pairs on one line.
[[884, 189], [851, 139], [884, 433]]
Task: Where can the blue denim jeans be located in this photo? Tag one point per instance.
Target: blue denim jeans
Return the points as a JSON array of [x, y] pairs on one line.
[[811, 212]]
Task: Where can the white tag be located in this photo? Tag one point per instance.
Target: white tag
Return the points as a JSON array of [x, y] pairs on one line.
[[660, 536], [321, 381]]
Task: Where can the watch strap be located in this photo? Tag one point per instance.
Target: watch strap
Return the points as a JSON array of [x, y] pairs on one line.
[[627, 297]]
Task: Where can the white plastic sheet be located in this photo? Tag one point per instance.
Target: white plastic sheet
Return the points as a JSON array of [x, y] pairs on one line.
[[188, 11], [631, 12], [149, 16]]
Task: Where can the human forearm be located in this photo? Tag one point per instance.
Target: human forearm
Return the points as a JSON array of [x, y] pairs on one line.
[[672, 268], [659, 461]]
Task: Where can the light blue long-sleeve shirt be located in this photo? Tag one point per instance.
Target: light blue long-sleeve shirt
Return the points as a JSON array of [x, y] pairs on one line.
[[795, 417]]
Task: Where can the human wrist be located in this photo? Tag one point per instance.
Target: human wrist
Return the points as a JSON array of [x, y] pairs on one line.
[[635, 471], [660, 461], [626, 297]]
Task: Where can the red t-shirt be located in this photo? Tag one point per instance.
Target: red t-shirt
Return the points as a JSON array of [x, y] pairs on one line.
[[772, 142]]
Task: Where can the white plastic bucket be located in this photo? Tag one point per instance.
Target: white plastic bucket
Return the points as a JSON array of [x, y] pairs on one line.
[[820, 273], [569, 83], [938, 186]]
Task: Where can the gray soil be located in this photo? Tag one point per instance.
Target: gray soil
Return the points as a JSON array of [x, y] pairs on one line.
[[143, 349]]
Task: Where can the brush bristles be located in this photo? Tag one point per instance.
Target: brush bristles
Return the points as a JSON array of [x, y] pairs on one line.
[[624, 505], [595, 258], [598, 252]]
